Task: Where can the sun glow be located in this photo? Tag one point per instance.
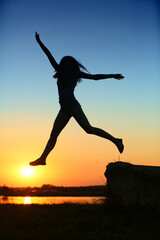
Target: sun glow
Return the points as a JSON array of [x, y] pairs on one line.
[[27, 171]]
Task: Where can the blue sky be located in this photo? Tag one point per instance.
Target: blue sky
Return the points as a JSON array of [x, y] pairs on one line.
[[119, 36], [106, 36]]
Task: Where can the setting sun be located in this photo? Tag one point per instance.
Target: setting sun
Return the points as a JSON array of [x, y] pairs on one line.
[[27, 171]]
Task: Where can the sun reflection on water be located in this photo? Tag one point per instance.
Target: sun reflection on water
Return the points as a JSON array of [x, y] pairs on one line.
[[50, 200], [27, 200]]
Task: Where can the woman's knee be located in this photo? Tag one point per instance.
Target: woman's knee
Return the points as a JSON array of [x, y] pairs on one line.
[[89, 129]]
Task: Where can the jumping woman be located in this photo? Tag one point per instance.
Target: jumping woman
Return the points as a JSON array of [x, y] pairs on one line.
[[68, 74]]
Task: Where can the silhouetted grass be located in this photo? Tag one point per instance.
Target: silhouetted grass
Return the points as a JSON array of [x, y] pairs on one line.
[[75, 221]]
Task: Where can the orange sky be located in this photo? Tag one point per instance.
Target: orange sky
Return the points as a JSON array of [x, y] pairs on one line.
[[78, 158]]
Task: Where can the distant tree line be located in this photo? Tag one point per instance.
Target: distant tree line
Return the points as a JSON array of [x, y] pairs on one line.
[[51, 190]]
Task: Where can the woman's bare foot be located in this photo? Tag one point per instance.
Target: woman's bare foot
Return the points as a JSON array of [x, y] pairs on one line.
[[37, 162], [119, 144]]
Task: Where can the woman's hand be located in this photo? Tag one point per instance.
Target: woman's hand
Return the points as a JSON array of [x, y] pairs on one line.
[[118, 76], [37, 37]]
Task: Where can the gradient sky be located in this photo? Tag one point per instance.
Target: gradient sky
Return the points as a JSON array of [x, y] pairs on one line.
[[119, 36]]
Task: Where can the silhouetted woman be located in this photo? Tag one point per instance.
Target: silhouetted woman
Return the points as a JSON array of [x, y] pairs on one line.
[[69, 74]]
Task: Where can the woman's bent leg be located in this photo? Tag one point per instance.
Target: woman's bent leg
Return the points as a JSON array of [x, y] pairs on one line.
[[84, 123], [60, 122]]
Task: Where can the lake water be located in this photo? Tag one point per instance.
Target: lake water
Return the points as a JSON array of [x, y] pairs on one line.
[[50, 200]]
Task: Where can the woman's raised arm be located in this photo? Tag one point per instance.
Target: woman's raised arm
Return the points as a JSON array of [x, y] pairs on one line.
[[47, 52]]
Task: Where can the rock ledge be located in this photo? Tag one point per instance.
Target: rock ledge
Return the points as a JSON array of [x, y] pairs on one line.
[[134, 184]]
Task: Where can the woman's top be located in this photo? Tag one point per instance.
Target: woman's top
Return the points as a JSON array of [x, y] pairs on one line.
[[66, 88]]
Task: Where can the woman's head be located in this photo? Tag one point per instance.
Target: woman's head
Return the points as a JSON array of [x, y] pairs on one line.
[[69, 66]]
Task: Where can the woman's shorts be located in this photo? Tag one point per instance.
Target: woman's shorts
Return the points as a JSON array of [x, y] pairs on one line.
[[69, 105]]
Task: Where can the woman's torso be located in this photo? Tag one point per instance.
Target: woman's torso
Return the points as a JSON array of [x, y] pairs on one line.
[[66, 88]]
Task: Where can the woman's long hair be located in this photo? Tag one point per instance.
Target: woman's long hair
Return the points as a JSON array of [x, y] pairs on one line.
[[67, 67]]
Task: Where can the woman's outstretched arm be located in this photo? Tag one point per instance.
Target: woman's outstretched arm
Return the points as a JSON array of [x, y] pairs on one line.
[[47, 52], [100, 76]]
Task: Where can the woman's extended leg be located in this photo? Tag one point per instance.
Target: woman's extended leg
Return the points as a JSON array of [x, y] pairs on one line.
[[60, 122], [84, 123]]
